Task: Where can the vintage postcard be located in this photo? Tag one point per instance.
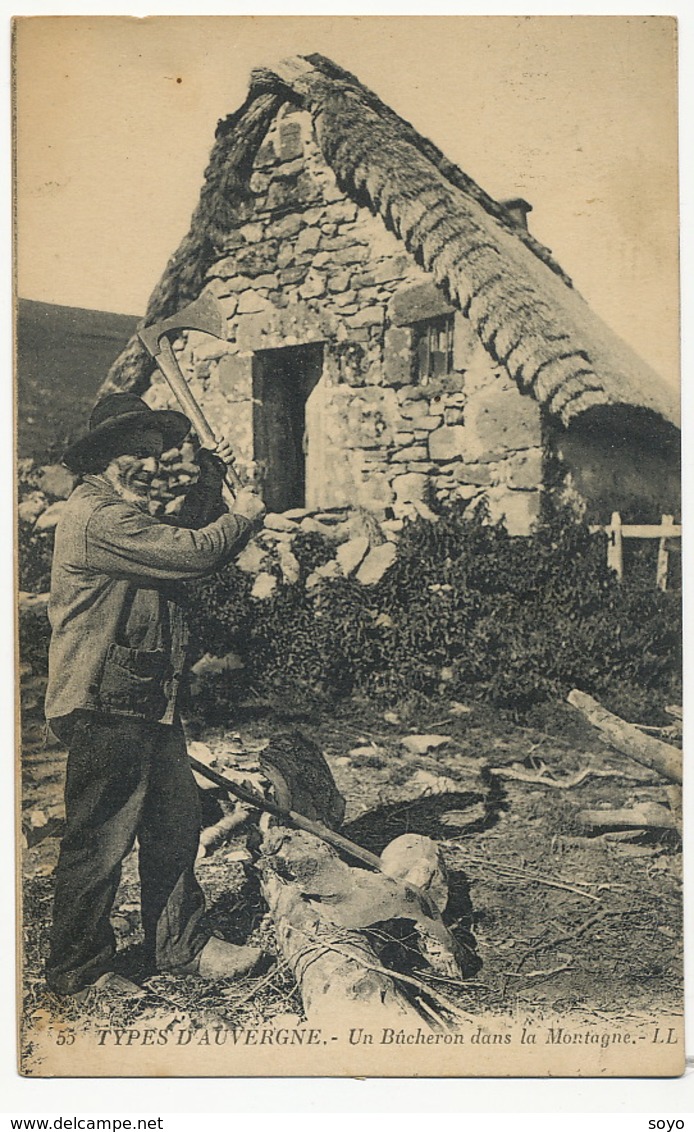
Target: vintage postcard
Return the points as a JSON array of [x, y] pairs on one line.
[[348, 529]]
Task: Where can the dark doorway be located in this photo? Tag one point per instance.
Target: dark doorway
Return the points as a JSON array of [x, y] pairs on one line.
[[282, 382]]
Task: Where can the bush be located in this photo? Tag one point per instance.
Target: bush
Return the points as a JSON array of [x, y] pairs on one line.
[[468, 611], [465, 611]]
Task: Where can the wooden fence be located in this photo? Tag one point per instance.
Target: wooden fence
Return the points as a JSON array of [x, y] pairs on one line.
[[664, 531]]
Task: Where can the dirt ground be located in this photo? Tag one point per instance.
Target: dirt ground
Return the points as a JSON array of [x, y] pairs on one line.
[[552, 917]]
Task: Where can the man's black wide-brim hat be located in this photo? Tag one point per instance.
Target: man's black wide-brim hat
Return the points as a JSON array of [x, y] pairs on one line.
[[113, 419]]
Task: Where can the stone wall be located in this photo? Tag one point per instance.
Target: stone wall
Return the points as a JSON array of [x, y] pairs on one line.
[[311, 266]]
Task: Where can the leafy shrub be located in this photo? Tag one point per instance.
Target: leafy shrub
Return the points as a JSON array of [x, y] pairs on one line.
[[470, 611], [34, 555], [466, 611]]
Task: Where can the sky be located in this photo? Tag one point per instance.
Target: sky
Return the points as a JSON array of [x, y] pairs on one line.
[[116, 118]]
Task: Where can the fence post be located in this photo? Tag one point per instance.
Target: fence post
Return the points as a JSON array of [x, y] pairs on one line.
[[663, 555], [615, 560]]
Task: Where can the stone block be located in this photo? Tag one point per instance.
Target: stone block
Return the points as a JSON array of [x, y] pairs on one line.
[[414, 452], [270, 281], [422, 467], [353, 253], [276, 522], [410, 487], [313, 286], [345, 300], [425, 422], [499, 420], [289, 564], [452, 415], [411, 393], [251, 558], [252, 233], [377, 562], [235, 375], [391, 269], [293, 275], [341, 212], [312, 526], [340, 281], [207, 348], [250, 302], [286, 226], [479, 474], [375, 492], [446, 442], [238, 283], [285, 256], [523, 470], [518, 509], [290, 142], [351, 554], [264, 586], [368, 316], [290, 191], [308, 240], [467, 491], [336, 243]]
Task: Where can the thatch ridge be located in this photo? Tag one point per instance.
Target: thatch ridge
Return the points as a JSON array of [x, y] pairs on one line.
[[518, 299]]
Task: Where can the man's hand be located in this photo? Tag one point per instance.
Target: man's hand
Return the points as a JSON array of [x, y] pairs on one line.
[[250, 506], [224, 451]]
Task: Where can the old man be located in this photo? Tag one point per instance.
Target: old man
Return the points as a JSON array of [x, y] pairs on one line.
[[116, 662]]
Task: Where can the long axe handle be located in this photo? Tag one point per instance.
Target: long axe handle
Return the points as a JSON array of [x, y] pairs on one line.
[[167, 363], [316, 827]]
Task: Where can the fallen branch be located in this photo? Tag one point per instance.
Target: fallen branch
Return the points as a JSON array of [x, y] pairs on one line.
[[518, 774], [629, 740]]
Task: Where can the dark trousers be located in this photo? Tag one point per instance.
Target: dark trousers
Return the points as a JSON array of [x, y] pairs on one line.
[[126, 779]]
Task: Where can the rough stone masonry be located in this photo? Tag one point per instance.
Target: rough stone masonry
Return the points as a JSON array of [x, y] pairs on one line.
[[309, 266]]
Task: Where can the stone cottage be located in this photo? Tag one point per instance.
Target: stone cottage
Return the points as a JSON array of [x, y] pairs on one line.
[[396, 338]]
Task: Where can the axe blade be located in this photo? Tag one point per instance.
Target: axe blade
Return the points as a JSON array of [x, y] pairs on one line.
[[204, 314]]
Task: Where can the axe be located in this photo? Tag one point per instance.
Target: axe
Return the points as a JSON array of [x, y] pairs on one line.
[[205, 315]]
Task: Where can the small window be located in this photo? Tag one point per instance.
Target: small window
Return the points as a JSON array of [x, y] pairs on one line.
[[433, 348]]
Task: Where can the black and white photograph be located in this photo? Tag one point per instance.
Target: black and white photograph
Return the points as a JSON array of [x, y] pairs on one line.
[[348, 535]]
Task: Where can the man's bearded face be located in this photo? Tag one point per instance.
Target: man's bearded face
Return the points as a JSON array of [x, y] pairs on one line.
[[131, 473]]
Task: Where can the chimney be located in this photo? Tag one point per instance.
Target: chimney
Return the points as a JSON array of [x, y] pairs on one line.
[[517, 210]]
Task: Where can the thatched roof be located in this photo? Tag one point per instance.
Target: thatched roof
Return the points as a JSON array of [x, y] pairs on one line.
[[518, 299]]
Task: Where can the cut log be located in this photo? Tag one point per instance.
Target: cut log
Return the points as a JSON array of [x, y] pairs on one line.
[[647, 815], [661, 757], [322, 907]]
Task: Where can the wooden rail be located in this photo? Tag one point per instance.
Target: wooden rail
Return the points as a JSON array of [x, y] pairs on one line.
[[616, 532]]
